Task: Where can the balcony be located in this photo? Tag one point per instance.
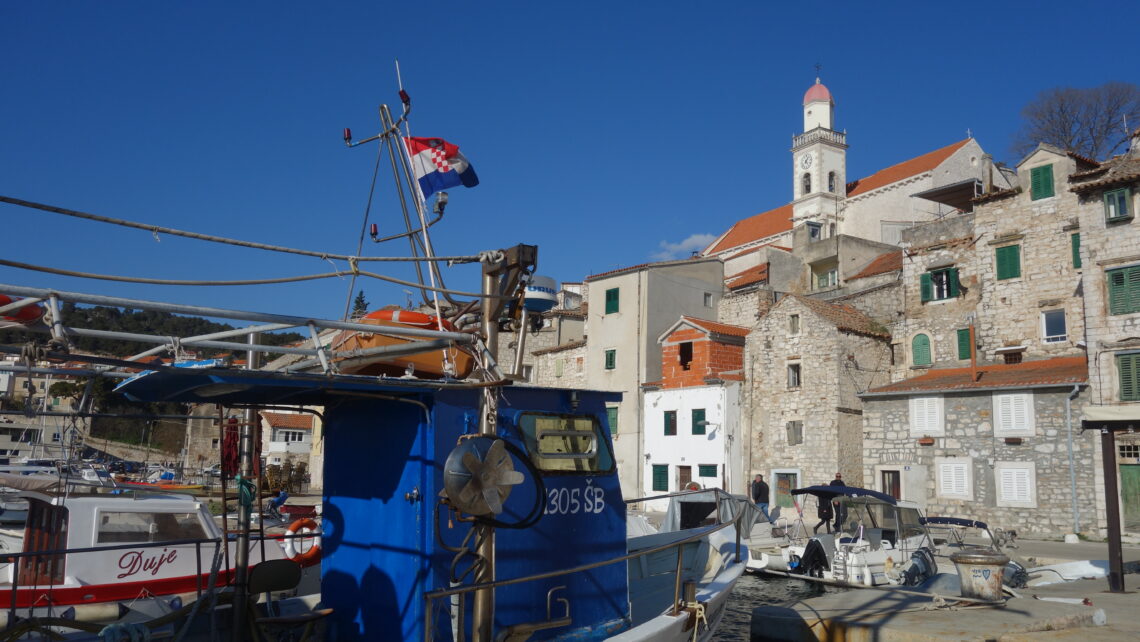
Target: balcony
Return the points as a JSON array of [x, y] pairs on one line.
[[819, 134]]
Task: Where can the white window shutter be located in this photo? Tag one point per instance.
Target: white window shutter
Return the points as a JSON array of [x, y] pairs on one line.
[[1014, 484], [1020, 411], [953, 479]]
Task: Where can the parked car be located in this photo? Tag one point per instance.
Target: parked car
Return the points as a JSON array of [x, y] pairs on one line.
[[212, 471]]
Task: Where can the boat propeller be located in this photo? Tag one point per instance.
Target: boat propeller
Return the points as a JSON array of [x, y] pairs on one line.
[[477, 478]]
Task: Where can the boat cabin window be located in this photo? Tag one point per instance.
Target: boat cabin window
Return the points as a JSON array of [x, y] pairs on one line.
[[566, 443], [127, 527]]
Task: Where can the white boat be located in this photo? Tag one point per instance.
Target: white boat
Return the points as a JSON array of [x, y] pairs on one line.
[[96, 553], [882, 541]]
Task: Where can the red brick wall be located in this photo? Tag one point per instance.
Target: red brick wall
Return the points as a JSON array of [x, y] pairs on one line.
[[710, 358]]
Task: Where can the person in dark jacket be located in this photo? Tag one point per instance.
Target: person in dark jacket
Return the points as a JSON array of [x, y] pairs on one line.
[[760, 496], [839, 508], [825, 514]]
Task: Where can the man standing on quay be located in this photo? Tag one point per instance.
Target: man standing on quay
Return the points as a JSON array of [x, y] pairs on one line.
[[760, 496]]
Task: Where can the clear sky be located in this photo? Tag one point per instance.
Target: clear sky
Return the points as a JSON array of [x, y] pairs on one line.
[[607, 133]]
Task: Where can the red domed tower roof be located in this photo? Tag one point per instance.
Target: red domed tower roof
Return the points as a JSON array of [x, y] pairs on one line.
[[818, 92]]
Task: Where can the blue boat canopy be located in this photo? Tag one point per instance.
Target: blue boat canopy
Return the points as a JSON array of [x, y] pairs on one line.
[[831, 492], [952, 521]]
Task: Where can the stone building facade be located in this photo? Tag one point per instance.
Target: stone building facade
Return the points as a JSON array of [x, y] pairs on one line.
[[806, 362], [998, 443]]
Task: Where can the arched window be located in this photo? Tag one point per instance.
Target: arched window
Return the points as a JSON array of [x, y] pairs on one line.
[[831, 182], [920, 350], [807, 183]]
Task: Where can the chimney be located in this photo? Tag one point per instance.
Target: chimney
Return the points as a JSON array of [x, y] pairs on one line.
[[1134, 145], [987, 173]]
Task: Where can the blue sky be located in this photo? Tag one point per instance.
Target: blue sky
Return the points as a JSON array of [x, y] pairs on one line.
[[607, 133]]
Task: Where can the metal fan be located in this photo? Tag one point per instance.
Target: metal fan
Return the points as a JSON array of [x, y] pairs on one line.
[[478, 478]]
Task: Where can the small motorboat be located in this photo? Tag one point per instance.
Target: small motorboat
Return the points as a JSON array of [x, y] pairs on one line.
[[882, 541]]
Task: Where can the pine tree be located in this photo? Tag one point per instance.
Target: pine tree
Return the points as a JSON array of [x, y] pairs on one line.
[[359, 305]]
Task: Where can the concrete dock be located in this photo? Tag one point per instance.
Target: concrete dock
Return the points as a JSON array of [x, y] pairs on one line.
[[1082, 610]]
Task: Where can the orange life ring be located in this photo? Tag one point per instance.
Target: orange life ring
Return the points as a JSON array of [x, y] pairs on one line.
[[25, 315], [292, 551], [692, 486], [407, 317]]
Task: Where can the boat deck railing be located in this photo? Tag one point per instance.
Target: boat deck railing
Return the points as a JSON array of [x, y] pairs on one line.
[[679, 545], [316, 353]]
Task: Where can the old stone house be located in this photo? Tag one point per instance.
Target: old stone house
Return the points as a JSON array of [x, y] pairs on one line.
[[692, 415], [806, 363], [1107, 249]]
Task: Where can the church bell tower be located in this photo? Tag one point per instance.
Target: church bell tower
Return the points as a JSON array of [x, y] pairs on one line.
[[819, 165]]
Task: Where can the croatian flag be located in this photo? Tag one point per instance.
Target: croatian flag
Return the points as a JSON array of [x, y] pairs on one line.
[[438, 165]]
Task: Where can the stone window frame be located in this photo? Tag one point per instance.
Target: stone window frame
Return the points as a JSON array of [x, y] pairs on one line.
[[965, 465], [708, 299], [1058, 338], [1012, 400], [920, 406], [1007, 262], [1114, 201], [795, 375], [1127, 375], [794, 432], [1030, 484], [1122, 289], [794, 325]]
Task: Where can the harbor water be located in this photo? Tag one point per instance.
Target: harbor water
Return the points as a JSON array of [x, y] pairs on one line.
[[755, 590]]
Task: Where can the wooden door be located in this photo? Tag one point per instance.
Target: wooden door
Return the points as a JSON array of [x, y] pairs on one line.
[[1130, 496], [684, 476], [891, 483]]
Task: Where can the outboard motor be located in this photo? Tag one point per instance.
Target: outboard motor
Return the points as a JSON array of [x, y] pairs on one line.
[[921, 567], [814, 561], [1015, 576]]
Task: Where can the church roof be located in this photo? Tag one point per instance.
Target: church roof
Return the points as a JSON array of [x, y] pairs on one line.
[[753, 229], [818, 92], [905, 169]]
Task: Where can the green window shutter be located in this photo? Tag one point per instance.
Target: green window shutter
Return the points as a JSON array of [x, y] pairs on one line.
[[706, 470], [920, 350], [1128, 366], [1008, 262], [926, 287], [1124, 290], [611, 359], [611, 300], [952, 275], [670, 423], [1076, 238], [1041, 182], [661, 477], [612, 419], [698, 417], [964, 343]]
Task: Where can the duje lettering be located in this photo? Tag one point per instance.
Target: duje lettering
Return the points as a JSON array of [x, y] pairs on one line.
[[134, 562]]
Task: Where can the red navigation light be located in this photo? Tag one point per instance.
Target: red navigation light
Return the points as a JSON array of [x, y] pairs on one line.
[[373, 230], [404, 97], [347, 134]]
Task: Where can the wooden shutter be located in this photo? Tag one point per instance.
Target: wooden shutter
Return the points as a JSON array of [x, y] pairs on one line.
[[964, 343], [661, 477], [1009, 262], [926, 288], [698, 427], [611, 359], [952, 479], [612, 419], [920, 350], [706, 470], [611, 300], [952, 282], [1013, 485], [1127, 369], [670, 422], [1076, 239], [1041, 182]]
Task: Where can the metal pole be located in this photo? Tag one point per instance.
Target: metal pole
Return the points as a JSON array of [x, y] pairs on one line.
[[1112, 504], [483, 606], [241, 555]]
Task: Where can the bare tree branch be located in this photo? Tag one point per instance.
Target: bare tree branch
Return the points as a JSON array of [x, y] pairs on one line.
[[1091, 122]]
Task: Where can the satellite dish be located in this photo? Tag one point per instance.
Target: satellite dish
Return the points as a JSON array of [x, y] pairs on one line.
[[477, 478]]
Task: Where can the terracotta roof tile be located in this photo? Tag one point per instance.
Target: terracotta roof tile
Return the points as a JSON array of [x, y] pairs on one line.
[[905, 169], [757, 274], [754, 228], [881, 264], [288, 420], [995, 195], [843, 317], [1058, 371], [1122, 169], [718, 328], [639, 266]]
